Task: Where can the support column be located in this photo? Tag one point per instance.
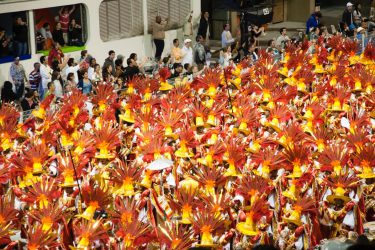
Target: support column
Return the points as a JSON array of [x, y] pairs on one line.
[[31, 24]]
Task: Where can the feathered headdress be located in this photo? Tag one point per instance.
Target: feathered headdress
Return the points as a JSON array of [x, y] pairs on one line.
[[37, 238], [187, 142], [297, 158], [206, 223], [87, 232], [334, 158], [107, 139], [43, 193], [341, 185], [175, 237], [268, 160], [48, 216], [184, 203], [41, 111], [303, 205], [164, 74], [125, 176], [365, 160], [209, 179]]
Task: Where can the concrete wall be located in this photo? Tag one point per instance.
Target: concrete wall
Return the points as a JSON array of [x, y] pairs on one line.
[[299, 10], [142, 45]]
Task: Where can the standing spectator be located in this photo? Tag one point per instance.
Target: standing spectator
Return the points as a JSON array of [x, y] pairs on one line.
[[4, 43], [20, 37], [91, 68], [176, 52], [64, 14], [357, 14], [187, 51], [58, 83], [97, 75], [57, 35], [17, 72], [108, 77], [110, 60], [200, 52], [75, 34], [204, 28], [282, 39], [85, 84], [158, 33], [55, 54], [313, 21], [226, 36], [45, 72], [188, 26], [35, 79], [131, 70], [73, 68], [348, 19], [7, 94]]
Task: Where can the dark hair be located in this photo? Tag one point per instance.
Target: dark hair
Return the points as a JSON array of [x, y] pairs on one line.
[[177, 65], [269, 42], [7, 85], [42, 59], [128, 61], [83, 53], [70, 75], [49, 84], [118, 62], [133, 55], [111, 52], [45, 25], [318, 14], [175, 40], [186, 66], [96, 65], [35, 64], [198, 37], [165, 59], [281, 30], [225, 25], [29, 93], [55, 75], [70, 62]]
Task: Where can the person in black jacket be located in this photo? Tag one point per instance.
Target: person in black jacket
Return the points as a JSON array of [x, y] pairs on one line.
[[7, 94], [204, 27], [57, 35], [348, 19], [20, 37], [131, 70]]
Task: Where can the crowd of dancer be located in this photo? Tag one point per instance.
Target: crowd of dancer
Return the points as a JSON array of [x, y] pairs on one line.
[[258, 152]]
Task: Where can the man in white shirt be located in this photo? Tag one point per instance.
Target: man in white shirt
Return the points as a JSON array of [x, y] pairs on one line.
[[46, 74], [226, 36], [73, 68], [282, 39], [187, 51]]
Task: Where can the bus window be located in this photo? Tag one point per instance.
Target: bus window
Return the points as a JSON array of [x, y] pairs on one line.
[[14, 38], [64, 25]]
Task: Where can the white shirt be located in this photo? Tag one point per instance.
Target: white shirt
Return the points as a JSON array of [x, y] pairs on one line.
[[58, 88], [73, 69], [45, 72], [90, 72], [188, 55], [226, 38]]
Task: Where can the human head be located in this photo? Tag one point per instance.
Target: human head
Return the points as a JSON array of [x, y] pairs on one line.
[[85, 74], [58, 26], [46, 26], [199, 39], [71, 62], [8, 85], [176, 42], [36, 66], [73, 22], [178, 67], [129, 62], [349, 6], [111, 54], [158, 19], [187, 42], [283, 31], [97, 68], [134, 56], [43, 60], [66, 10], [226, 27], [206, 14], [29, 94], [271, 43], [92, 62], [318, 15], [17, 60], [51, 86], [19, 20], [55, 75], [83, 53], [70, 76]]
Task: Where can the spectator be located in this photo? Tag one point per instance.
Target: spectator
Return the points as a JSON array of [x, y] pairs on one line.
[[58, 83], [110, 60], [282, 39], [200, 52], [91, 68], [46, 31], [85, 84], [18, 75], [51, 89], [131, 70], [70, 82], [7, 94], [45, 72], [357, 14], [176, 52], [57, 35], [158, 34], [204, 28], [4, 43], [64, 14], [35, 79], [20, 37], [40, 41], [272, 49], [348, 19], [177, 70], [313, 21], [314, 35], [187, 52], [139, 65], [226, 36], [73, 68], [55, 54], [97, 75], [188, 26], [29, 102], [108, 77], [119, 68], [75, 34]]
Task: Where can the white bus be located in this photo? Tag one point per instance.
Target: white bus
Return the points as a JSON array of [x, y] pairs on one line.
[[120, 25]]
